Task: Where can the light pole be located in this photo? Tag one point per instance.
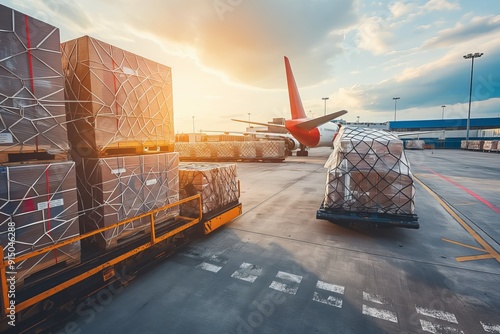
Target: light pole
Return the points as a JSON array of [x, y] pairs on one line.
[[395, 100], [470, 56], [249, 119], [442, 116], [324, 99], [193, 124], [358, 119]]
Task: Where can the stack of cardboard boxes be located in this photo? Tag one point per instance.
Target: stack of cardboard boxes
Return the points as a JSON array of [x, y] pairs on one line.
[[368, 172], [37, 197], [119, 108], [216, 183]]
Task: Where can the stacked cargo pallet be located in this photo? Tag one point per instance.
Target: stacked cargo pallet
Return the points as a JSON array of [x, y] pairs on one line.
[[368, 173], [37, 182], [119, 107], [415, 144], [216, 183], [271, 150], [490, 146]]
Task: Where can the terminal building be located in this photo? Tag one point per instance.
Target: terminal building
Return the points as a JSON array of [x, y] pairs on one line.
[[448, 133], [441, 133]]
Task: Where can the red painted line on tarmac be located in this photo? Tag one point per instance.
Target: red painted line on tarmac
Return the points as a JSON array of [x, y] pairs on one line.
[[470, 192]]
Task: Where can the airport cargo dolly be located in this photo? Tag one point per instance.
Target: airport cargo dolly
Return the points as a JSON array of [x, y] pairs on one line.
[[49, 300], [375, 219]]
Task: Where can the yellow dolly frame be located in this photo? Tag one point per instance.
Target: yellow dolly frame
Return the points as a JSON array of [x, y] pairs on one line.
[[208, 227]]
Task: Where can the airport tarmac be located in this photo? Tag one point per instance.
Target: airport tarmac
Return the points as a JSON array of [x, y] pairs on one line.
[[277, 269]]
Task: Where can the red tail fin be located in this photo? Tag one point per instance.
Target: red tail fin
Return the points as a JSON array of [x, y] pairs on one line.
[[293, 93]]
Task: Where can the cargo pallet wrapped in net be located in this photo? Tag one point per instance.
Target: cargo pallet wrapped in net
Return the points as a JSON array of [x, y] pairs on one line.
[[32, 113], [369, 180], [217, 183]]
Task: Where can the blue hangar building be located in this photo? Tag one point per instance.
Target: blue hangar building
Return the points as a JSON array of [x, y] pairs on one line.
[[448, 133]]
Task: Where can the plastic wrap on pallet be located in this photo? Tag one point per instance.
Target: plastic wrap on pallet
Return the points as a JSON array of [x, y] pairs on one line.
[[205, 150], [116, 99], [368, 172], [216, 183], [463, 144], [119, 188], [184, 150], [272, 149], [476, 145], [490, 145], [32, 112], [248, 150], [227, 149], [415, 144], [495, 147], [40, 202]]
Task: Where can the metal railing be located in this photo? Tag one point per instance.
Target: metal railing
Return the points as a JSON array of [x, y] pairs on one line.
[[4, 264]]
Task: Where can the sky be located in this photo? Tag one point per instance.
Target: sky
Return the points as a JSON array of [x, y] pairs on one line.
[[227, 55]]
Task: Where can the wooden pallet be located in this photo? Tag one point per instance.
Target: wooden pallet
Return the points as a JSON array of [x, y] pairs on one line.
[[20, 154], [124, 148]]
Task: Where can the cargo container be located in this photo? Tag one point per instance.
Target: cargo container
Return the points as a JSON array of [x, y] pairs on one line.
[[369, 180]]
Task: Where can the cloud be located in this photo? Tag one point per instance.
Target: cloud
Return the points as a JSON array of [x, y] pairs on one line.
[[439, 5], [479, 26], [246, 40], [445, 81]]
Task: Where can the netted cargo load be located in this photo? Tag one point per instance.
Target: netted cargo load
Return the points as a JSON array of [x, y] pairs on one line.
[[38, 205], [185, 150], [116, 100], [490, 145], [271, 149], [248, 150], [216, 183], [204, 150], [368, 172], [227, 150], [415, 144], [32, 112], [476, 145], [119, 188]]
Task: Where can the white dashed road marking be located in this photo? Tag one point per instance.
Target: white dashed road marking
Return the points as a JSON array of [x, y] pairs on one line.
[[437, 314], [291, 284], [330, 300], [209, 267], [490, 328], [330, 287], [247, 272], [381, 314], [377, 312], [324, 295], [289, 277], [438, 329], [373, 298]]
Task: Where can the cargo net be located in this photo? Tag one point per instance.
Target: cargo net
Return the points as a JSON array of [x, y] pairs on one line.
[[116, 99], [32, 113], [251, 150], [38, 208], [368, 172], [216, 183], [121, 188]]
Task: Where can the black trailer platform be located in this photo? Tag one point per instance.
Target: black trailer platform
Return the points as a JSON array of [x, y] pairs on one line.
[[343, 217]]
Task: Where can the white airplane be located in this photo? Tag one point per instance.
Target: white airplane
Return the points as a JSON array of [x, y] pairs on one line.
[[303, 131]]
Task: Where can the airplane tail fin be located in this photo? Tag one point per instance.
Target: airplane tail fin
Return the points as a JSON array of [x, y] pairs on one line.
[[293, 93]]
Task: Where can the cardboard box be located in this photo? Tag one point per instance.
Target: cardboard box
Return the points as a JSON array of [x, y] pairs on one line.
[[119, 188], [40, 201], [368, 172], [116, 99], [216, 183], [32, 112]]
